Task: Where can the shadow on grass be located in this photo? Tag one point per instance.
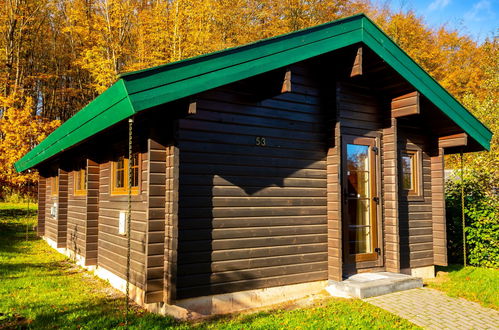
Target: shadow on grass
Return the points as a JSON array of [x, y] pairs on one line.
[[103, 314], [16, 213], [15, 242], [15, 228], [449, 268], [9, 271]]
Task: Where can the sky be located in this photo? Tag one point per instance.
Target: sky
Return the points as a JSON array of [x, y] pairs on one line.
[[478, 18]]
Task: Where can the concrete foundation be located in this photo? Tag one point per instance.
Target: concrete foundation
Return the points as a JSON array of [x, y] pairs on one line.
[[238, 301], [423, 272], [372, 284]]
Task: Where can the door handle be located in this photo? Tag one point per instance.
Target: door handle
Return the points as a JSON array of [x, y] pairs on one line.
[[378, 251], [376, 200]]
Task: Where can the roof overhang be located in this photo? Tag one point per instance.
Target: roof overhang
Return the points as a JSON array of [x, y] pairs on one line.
[[141, 90]]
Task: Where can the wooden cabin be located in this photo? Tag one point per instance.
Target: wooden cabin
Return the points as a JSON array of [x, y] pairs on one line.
[[258, 172]]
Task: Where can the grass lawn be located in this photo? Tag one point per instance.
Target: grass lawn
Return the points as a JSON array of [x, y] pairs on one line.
[[472, 283], [39, 288]]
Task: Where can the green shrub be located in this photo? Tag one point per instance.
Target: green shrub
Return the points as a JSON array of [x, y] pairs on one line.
[[482, 220]]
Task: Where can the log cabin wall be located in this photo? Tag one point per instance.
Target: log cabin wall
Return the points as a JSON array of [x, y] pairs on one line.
[[171, 224], [415, 212], [50, 221], [92, 225], [253, 191], [390, 169], [42, 205], [77, 218], [62, 218], [83, 214], [112, 246], [334, 218], [155, 221], [56, 227], [438, 208]]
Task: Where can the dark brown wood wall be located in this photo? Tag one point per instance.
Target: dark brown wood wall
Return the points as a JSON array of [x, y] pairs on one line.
[[83, 212], [391, 227], [155, 221], [359, 109], [50, 222], [112, 247], [171, 224], [77, 219], [42, 205], [62, 220], [92, 227], [252, 216], [415, 212], [56, 229], [334, 219], [438, 208]]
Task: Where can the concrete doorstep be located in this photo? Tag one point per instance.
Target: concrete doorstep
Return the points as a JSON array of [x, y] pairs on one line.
[[367, 285]]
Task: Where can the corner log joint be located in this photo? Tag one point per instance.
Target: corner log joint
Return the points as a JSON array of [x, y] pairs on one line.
[[405, 105], [192, 107], [357, 64], [455, 140]]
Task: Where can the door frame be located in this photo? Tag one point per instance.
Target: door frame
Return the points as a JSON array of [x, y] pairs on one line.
[[374, 259]]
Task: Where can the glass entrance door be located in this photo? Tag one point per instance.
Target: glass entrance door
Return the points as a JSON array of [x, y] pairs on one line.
[[360, 199]]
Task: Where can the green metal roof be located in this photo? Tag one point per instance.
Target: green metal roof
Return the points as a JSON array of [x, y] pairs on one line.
[[140, 90]]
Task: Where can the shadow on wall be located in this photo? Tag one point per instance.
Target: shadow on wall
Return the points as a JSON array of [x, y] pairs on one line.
[[245, 211]]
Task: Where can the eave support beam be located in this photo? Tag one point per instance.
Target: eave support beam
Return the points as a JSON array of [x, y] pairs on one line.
[[192, 108], [357, 64], [455, 140], [287, 85], [405, 105]]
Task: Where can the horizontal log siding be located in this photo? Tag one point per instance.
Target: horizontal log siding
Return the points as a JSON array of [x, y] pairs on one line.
[[62, 218], [359, 110], [334, 223], [438, 209], [56, 229], [42, 205], [415, 212], [77, 219], [252, 216], [171, 224], [391, 227], [50, 222], [155, 221], [92, 226], [112, 247]]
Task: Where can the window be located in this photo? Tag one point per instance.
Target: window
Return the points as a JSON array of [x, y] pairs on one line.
[[80, 182], [54, 185], [410, 172], [120, 182]]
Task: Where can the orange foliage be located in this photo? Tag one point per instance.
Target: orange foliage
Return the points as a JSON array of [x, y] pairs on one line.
[[57, 55], [20, 131]]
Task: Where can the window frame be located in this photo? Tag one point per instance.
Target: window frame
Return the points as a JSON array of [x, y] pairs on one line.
[[54, 185], [124, 190], [416, 170], [80, 182]]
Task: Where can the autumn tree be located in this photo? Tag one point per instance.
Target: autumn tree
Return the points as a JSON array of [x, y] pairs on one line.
[[20, 131], [57, 55]]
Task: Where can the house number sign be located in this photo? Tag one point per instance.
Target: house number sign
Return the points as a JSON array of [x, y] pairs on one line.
[[260, 141]]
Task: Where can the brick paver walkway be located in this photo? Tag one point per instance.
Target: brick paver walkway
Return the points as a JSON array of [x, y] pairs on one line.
[[433, 309]]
